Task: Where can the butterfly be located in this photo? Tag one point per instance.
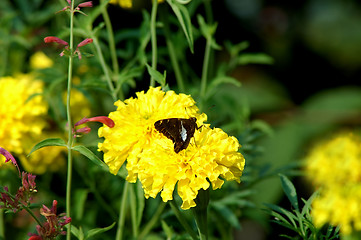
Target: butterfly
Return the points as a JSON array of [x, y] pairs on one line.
[[179, 130]]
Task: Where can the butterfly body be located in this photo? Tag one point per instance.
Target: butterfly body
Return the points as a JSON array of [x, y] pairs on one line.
[[179, 130]]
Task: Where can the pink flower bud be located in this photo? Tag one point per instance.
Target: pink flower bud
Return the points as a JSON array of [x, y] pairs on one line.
[[84, 130], [9, 157], [86, 4], [35, 237], [105, 120], [85, 42], [57, 40]]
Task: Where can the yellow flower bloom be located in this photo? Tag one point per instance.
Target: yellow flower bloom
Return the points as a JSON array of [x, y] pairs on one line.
[[126, 3], [39, 61], [334, 167], [336, 161], [150, 156], [21, 111]]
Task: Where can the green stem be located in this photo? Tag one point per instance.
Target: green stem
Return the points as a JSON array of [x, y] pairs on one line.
[[152, 221], [113, 53], [133, 211], [104, 67], [122, 211], [5, 52], [182, 220], [205, 71], [33, 215], [2, 225], [154, 38], [171, 51], [68, 112], [200, 213]]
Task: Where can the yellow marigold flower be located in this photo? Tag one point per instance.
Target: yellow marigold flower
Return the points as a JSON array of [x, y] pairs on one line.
[[212, 155], [39, 61], [150, 156], [339, 206], [336, 161], [21, 111], [127, 3], [334, 167]]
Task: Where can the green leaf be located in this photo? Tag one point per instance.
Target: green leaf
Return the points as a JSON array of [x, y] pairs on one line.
[[290, 191], [184, 20], [96, 231], [90, 155], [158, 77], [76, 232], [234, 50], [47, 143], [227, 214], [206, 30], [80, 195], [281, 210], [255, 58], [167, 230]]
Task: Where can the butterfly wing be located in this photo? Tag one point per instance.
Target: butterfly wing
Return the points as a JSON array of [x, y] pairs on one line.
[[179, 130]]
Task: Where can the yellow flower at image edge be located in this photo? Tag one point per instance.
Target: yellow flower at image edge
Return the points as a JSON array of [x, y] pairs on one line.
[[339, 206], [127, 3], [334, 167], [21, 111], [150, 155]]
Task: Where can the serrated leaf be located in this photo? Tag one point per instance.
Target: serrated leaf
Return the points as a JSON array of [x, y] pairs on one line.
[[90, 155], [290, 191], [48, 143], [184, 20], [96, 231], [255, 58]]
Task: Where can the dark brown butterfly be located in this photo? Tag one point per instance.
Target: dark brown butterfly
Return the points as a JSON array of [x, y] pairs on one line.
[[179, 130]]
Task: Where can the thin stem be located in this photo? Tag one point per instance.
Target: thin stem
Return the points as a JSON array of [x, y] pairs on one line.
[[205, 71], [171, 51], [33, 215], [153, 38], [122, 210], [182, 220], [113, 53], [2, 227], [152, 221], [133, 211], [104, 67], [68, 112]]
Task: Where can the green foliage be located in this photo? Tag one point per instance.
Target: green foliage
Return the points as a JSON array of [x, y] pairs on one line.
[[299, 220]]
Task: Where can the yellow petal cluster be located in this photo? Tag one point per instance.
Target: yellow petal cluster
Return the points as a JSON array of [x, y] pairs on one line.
[[210, 157], [334, 166], [23, 123], [39, 61], [21, 111], [127, 3]]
